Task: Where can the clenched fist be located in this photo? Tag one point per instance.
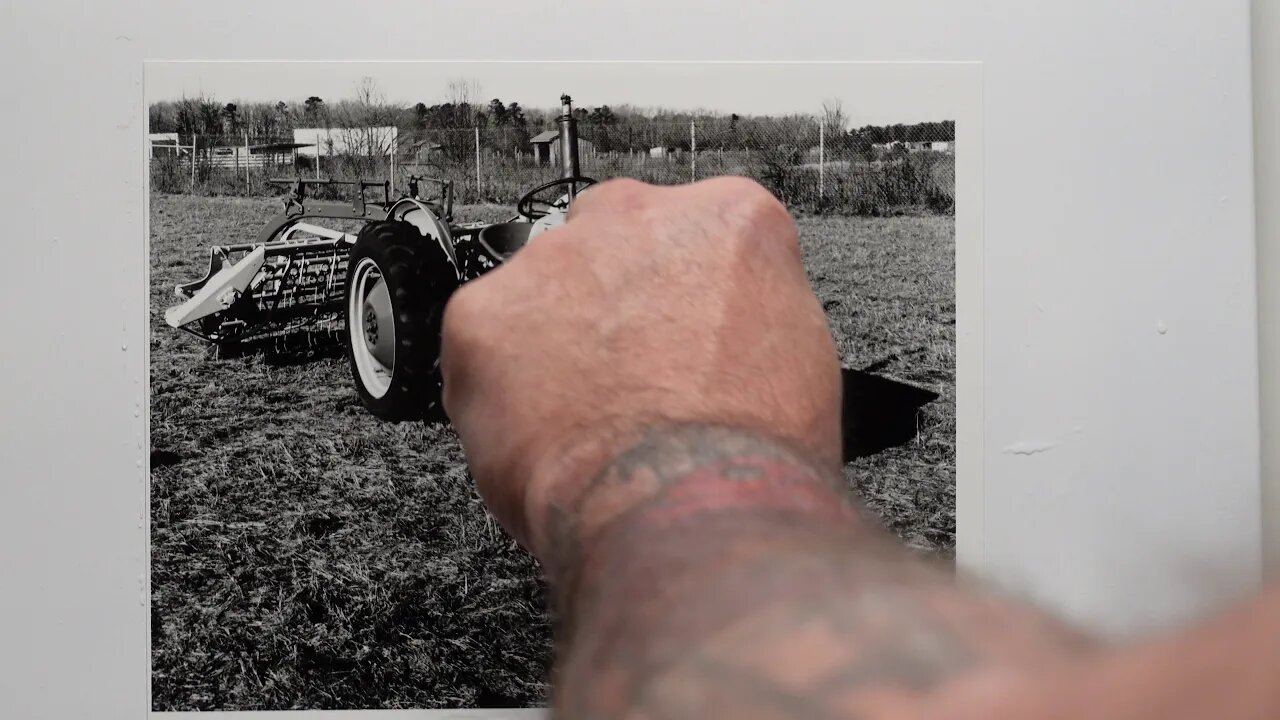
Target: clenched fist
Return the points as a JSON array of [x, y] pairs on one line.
[[650, 306]]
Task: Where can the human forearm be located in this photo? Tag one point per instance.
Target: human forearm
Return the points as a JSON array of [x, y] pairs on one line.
[[721, 573], [710, 572]]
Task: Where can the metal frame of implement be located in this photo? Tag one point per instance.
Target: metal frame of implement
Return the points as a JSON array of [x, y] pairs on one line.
[[291, 277]]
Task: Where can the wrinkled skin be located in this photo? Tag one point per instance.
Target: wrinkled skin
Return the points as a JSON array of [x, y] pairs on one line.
[[650, 304], [648, 398]]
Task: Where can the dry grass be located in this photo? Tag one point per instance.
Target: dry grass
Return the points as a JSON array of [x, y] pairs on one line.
[[305, 555], [888, 286], [921, 183]]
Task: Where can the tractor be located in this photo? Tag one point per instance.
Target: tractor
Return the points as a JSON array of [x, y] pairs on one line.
[[382, 290]]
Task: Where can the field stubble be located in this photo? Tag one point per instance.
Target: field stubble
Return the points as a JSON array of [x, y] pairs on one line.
[[306, 555]]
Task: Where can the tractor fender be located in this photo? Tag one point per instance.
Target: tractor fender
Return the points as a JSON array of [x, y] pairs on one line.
[[429, 224]]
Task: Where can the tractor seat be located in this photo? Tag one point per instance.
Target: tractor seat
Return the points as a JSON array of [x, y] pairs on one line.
[[503, 239]]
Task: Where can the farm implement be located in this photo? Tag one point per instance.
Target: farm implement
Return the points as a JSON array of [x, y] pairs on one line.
[[381, 285]]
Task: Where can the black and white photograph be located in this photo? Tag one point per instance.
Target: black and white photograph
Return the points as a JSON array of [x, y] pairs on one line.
[[316, 538]]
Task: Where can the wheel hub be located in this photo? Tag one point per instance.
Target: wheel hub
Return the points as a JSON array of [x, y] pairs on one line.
[[379, 332], [370, 327]]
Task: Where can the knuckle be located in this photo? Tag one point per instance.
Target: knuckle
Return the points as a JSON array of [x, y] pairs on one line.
[[735, 185], [613, 196], [759, 219], [763, 207], [622, 188]]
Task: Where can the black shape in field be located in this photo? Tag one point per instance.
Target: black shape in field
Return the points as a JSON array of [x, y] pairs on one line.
[[878, 413], [491, 699], [164, 458], [320, 527]]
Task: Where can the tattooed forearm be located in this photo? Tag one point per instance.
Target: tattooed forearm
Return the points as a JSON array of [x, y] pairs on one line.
[[711, 573]]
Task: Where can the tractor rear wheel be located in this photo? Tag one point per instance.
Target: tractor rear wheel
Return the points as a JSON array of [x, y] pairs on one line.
[[398, 282]]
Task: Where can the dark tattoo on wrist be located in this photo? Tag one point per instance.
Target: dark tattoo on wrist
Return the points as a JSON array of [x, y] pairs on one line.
[[708, 567], [683, 472]]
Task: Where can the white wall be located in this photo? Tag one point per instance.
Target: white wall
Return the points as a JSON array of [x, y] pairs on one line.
[[1122, 438], [1266, 85]]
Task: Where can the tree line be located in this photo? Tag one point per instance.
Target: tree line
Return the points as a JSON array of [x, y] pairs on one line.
[[610, 129], [208, 116]]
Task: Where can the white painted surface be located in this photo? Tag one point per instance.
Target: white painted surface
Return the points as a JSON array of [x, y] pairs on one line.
[[1266, 87], [1139, 213], [343, 141]]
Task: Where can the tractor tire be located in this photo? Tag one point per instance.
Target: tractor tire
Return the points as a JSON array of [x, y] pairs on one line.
[[400, 280]]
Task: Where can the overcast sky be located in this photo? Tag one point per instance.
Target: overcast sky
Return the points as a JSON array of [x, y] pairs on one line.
[[744, 88]]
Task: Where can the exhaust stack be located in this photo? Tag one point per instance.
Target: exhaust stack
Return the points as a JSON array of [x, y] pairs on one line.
[[568, 141]]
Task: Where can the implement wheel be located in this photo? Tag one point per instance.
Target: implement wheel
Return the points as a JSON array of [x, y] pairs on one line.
[[398, 282]]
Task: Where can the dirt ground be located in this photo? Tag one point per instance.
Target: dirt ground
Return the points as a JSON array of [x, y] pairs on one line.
[[305, 555]]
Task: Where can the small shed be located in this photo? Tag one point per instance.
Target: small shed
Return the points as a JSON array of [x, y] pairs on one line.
[[662, 151], [275, 153], [233, 156], [425, 146], [546, 147], [163, 144]]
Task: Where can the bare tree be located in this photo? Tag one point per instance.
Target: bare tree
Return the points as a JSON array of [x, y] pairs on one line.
[[834, 119], [463, 94], [368, 94], [366, 124], [462, 91]]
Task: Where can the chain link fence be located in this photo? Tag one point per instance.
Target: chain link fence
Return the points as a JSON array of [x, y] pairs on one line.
[[808, 166]]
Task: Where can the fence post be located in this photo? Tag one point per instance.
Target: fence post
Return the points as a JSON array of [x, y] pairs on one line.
[[693, 151], [195, 141], [477, 130], [822, 158], [317, 154], [247, 164]]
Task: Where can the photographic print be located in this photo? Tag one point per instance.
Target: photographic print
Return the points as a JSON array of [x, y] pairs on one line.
[[315, 539]]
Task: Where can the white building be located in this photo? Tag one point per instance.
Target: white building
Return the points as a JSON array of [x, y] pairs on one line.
[[945, 146], [370, 141]]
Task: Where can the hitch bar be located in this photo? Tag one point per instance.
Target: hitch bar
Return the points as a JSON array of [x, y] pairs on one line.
[[358, 203]]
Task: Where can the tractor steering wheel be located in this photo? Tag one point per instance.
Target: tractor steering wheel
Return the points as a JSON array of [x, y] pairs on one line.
[[528, 207]]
